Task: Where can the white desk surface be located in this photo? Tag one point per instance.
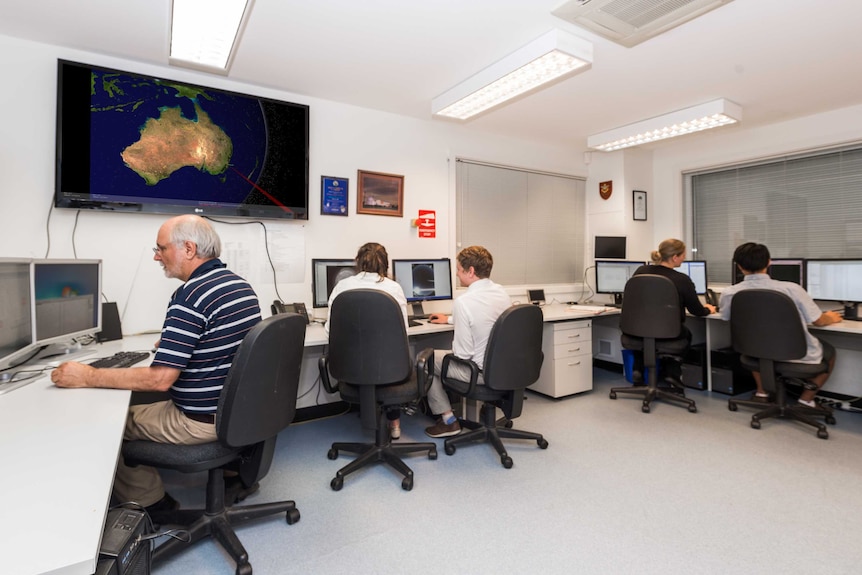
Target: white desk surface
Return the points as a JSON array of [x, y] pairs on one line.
[[59, 449], [315, 334]]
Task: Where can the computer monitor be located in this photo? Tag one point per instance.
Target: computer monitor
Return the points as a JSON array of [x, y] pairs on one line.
[[16, 320], [65, 300], [325, 273], [784, 269], [836, 280], [423, 280], [611, 277], [696, 270], [610, 247], [788, 270]]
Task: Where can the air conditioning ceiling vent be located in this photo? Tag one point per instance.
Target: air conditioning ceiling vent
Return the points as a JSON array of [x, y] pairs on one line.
[[630, 22]]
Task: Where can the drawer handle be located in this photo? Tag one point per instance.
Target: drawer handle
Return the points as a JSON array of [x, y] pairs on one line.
[[576, 349], [574, 336], [573, 364]]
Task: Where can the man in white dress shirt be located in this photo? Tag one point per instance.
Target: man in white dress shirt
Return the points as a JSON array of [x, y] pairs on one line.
[[473, 315]]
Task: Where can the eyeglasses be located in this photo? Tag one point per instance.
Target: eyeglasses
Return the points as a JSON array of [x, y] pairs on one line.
[[159, 249]]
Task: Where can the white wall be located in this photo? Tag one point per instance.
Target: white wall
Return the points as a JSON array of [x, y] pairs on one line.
[[343, 139]]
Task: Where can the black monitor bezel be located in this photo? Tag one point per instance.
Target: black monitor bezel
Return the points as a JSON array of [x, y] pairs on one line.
[[612, 262], [606, 240], [705, 275], [342, 262], [413, 299], [808, 261]]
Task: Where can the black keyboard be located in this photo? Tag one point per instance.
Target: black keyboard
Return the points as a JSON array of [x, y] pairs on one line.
[[121, 359]]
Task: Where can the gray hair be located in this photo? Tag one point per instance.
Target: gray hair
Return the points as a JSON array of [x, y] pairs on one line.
[[195, 229]]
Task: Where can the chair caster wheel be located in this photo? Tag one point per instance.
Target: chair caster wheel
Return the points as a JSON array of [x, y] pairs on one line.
[[332, 454], [755, 424], [449, 449], [243, 569], [731, 406], [509, 424], [822, 434], [506, 461], [407, 483], [645, 408], [292, 516], [830, 420], [542, 443], [692, 409], [337, 483], [432, 454], [612, 395]]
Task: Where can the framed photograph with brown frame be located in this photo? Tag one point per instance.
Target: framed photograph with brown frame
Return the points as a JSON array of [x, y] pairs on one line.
[[380, 194], [639, 206]]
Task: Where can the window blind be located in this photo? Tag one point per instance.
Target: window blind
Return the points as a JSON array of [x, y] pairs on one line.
[[531, 222], [802, 206]]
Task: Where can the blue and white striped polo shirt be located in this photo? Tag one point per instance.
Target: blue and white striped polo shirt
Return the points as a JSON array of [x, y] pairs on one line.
[[207, 318]]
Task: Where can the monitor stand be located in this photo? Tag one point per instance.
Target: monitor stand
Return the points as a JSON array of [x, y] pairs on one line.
[[851, 312], [618, 300], [416, 311]]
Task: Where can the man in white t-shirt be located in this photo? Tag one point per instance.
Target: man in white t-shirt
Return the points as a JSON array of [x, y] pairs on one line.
[[473, 315], [753, 260]]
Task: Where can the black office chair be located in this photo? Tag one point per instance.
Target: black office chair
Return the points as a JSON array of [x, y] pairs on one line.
[[257, 402], [650, 322], [766, 330], [513, 360], [369, 357]]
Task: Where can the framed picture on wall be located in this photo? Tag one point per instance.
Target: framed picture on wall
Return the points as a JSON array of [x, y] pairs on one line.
[[333, 195], [639, 206], [380, 194]]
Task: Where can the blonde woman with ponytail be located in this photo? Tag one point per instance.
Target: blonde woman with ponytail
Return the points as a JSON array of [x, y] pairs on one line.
[[670, 255]]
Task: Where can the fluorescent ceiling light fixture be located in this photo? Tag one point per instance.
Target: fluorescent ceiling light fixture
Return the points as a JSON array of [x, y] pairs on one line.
[[548, 58], [713, 114], [204, 33]]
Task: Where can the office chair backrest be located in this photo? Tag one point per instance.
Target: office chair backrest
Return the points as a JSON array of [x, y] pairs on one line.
[[513, 357], [368, 339], [766, 324], [259, 395], [651, 308]]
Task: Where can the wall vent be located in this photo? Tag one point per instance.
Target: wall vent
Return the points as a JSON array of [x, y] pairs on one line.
[[630, 22]]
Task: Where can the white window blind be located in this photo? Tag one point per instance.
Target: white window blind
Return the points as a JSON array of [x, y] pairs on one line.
[[531, 222], [804, 206]]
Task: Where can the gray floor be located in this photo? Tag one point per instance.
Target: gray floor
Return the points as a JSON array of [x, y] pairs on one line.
[[617, 491]]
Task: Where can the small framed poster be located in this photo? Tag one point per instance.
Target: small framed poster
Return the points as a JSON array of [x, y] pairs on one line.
[[380, 194], [333, 196], [639, 206]]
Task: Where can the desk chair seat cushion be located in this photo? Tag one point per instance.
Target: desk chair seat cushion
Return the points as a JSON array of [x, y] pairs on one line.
[[480, 393], [787, 368], [677, 346], [393, 394], [183, 458]]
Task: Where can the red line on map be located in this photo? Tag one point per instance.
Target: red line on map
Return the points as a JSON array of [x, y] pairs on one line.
[[262, 191]]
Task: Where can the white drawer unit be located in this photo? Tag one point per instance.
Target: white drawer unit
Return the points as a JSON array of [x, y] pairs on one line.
[[568, 365]]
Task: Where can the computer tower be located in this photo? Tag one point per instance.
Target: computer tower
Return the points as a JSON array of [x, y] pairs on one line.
[[728, 375], [694, 367], [124, 550]]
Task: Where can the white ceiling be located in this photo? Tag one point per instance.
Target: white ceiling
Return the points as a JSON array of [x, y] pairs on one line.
[[778, 59]]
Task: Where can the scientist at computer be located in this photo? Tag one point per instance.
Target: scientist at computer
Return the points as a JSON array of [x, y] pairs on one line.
[[206, 320], [372, 265], [669, 255], [752, 259]]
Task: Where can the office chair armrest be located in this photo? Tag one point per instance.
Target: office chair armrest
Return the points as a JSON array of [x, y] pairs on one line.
[[323, 366], [424, 370], [474, 370]]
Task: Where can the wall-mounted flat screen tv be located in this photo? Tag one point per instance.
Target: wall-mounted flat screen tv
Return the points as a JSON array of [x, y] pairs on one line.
[[133, 143]]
